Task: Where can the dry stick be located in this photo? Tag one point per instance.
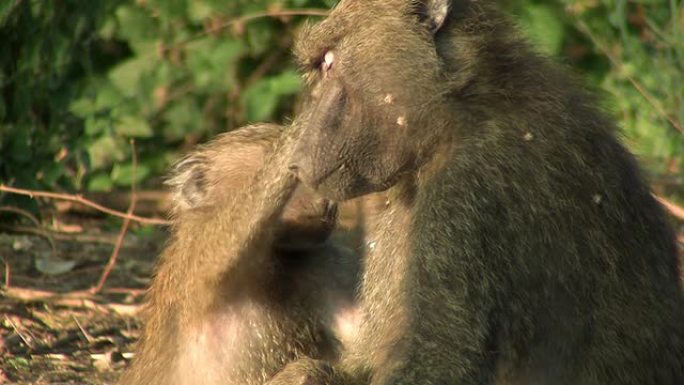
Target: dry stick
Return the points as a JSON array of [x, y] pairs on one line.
[[16, 330], [124, 227], [85, 202], [675, 210], [106, 239], [76, 299], [584, 28], [89, 338]]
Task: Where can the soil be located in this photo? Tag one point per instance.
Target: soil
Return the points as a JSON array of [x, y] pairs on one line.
[[53, 330]]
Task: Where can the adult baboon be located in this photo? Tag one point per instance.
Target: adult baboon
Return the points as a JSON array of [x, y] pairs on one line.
[[248, 281], [520, 244]]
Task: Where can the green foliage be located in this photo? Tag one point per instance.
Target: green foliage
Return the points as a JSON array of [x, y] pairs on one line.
[[81, 79], [634, 50]]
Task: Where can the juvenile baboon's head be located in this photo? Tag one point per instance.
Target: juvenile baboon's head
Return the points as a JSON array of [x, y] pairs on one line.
[[226, 166], [375, 79]]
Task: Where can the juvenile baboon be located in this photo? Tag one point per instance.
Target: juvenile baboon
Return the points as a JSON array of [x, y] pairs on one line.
[[248, 281], [519, 243]]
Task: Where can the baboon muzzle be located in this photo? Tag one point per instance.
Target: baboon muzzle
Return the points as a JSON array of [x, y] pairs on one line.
[[317, 153]]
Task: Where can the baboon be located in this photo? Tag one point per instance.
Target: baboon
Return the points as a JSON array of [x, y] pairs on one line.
[[519, 243], [248, 281]]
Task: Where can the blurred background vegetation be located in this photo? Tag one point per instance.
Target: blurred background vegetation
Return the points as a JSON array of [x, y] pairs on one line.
[[80, 79]]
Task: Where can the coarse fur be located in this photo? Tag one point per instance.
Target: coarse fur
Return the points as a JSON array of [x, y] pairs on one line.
[[249, 281], [520, 244]]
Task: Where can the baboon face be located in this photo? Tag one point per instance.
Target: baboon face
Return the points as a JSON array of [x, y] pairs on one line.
[[372, 69]]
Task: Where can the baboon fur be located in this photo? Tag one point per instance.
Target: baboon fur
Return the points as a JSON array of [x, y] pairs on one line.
[[520, 244], [248, 281]]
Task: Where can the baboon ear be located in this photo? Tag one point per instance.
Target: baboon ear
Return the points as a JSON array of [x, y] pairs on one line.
[[433, 13]]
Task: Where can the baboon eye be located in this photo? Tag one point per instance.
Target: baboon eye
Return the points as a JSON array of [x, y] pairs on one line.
[[327, 63]]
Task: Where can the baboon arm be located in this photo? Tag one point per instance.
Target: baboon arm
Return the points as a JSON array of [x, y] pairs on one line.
[[307, 371], [231, 239]]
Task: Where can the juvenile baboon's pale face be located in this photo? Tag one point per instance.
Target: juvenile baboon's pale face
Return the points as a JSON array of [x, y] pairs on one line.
[[372, 81]]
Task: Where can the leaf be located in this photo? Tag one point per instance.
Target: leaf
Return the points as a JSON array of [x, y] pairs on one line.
[[262, 98], [83, 107], [181, 119], [100, 182], [126, 76], [170, 8], [20, 145], [134, 127], [287, 83], [259, 36], [52, 267], [260, 103], [135, 23], [122, 174], [51, 173], [103, 151], [544, 27], [213, 61]]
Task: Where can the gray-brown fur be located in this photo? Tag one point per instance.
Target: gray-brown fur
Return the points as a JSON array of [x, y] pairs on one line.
[[519, 244], [248, 282]]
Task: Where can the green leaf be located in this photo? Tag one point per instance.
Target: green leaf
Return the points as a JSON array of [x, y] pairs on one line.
[[5, 9], [108, 97], [259, 102], [134, 127], [181, 119], [262, 98], [20, 145], [122, 174], [135, 23], [198, 11], [126, 76], [103, 151], [259, 36], [51, 173], [170, 8], [287, 83], [544, 27], [83, 108], [213, 61], [100, 182]]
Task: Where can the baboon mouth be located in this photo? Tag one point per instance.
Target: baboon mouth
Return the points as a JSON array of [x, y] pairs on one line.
[[317, 182]]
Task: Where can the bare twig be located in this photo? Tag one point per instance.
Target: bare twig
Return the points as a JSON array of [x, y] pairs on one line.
[[124, 227], [75, 299], [19, 333], [617, 63], [125, 290], [86, 335], [83, 201], [108, 239], [674, 209]]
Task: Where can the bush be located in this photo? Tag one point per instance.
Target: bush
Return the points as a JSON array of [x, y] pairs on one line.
[[80, 79]]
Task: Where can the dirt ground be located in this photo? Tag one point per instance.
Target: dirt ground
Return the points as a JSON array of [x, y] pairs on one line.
[[51, 331]]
